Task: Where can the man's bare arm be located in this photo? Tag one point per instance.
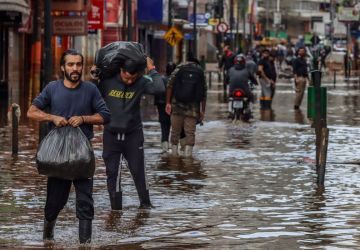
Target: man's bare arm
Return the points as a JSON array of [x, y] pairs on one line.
[[41, 116]]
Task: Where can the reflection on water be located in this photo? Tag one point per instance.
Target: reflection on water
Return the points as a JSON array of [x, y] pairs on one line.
[[180, 174], [299, 116], [267, 115], [247, 186]]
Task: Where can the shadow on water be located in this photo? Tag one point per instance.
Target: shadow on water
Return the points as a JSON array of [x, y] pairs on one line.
[[116, 222]]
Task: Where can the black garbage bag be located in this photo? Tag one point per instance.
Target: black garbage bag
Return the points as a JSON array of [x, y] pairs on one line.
[[66, 153], [110, 58]]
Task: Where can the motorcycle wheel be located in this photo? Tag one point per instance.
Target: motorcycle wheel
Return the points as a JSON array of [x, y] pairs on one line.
[[237, 114]]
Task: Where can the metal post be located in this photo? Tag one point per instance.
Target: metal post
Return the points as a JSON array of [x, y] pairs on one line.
[[266, 18], [231, 24], [47, 70], [194, 31], [334, 79], [129, 14], [320, 125], [47, 43], [169, 47], [209, 79], [244, 7], [15, 128], [237, 26], [332, 17], [323, 156]]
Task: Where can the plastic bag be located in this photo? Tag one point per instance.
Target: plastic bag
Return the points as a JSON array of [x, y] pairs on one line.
[[66, 153], [110, 58]]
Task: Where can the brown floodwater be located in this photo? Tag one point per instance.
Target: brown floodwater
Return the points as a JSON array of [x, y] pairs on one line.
[[248, 186]]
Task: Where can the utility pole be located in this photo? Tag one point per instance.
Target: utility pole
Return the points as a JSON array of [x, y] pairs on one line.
[[47, 44], [332, 17], [194, 31], [129, 10], [47, 69], [244, 5], [267, 18], [169, 47], [231, 24], [237, 26]]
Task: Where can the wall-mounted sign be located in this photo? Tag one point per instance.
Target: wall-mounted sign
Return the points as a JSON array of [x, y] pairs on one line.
[[70, 5], [69, 25], [10, 18], [96, 15]]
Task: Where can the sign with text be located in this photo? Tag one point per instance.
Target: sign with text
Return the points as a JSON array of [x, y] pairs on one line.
[[346, 14], [69, 5], [96, 15], [201, 19], [69, 25]]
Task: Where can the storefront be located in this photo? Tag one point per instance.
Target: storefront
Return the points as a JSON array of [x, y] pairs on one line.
[[13, 49]]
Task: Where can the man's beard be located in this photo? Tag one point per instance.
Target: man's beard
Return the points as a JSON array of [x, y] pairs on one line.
[[68, 77]]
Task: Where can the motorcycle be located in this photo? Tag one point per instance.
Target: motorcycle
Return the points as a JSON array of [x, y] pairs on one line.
[[240, 106]]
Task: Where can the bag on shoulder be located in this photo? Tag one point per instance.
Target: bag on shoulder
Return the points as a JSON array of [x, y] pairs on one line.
[[189, 84], [110, 58], [66, 153]]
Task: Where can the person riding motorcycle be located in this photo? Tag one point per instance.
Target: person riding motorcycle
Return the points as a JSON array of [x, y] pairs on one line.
[[239, 76]]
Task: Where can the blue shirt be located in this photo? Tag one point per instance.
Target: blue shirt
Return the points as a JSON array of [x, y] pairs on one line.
[[85, 99]]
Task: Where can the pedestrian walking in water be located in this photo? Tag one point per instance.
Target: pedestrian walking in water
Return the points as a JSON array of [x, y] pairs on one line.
[[273, 74], [300, 70], [185, 102], [71, 102], [123, 138], [265, 79], [160, 102], [226, 62]]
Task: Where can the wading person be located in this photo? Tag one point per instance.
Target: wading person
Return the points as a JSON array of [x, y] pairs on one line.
[[185, 102], [301, 74], [123, 137], [265, 75], [164, 118], [71, 102]]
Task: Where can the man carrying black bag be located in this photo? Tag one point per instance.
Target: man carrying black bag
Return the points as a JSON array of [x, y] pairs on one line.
[[123, 137], [71, 102]]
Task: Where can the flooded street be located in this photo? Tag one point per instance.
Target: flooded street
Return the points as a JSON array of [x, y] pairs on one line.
[[248, 186]]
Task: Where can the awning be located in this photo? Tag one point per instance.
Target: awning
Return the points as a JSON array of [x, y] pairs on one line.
[[15, 5]]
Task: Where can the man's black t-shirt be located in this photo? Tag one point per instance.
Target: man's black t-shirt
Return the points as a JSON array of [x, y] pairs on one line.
[[266, 66]]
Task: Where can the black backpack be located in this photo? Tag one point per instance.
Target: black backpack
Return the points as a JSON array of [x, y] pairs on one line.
[[189, 84]]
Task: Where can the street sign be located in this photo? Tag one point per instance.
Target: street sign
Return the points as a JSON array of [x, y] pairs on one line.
[[222, 27], [201, 19], [214, 21], [277, 18], [173, 36], [348, 14]]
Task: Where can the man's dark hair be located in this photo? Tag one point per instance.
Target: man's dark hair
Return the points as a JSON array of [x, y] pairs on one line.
[[265, 50], [133, 66], [72, 52]]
